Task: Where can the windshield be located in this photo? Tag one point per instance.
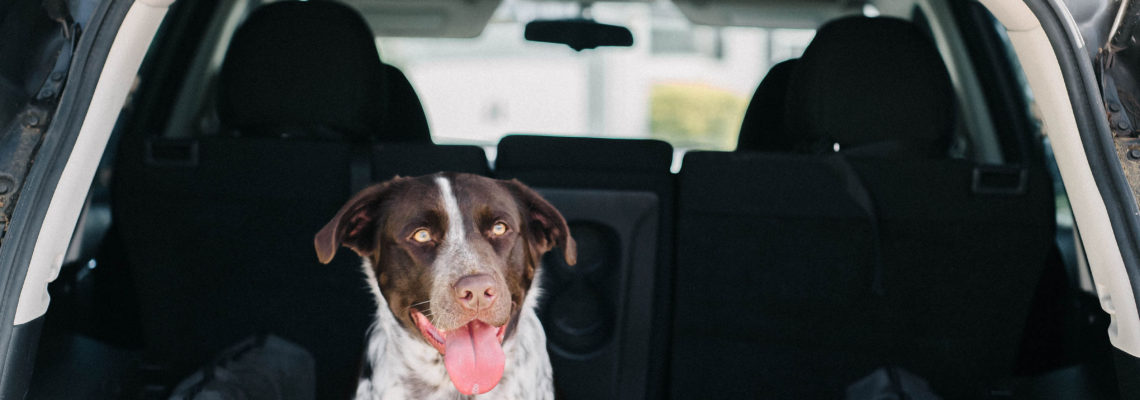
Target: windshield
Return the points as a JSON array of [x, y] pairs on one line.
[[685, 84]]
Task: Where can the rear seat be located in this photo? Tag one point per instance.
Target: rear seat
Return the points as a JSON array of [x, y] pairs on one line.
[[963, 245], [606, 318], [814, 270], [218, 230]]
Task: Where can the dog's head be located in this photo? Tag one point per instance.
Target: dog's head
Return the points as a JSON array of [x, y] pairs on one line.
[[454, 256]]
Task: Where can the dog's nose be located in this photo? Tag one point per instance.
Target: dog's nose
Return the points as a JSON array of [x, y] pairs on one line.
[[475, 292]]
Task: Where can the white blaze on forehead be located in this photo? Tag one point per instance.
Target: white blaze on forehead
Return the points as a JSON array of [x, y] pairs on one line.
[[455, 234], [456, 257], [454, 260]]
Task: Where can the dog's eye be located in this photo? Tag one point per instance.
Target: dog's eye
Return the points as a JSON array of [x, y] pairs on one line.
[[421, 235], [499, 229]]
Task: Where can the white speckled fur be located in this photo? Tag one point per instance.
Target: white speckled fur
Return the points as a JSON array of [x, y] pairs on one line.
[[397, 359], [405, 367]]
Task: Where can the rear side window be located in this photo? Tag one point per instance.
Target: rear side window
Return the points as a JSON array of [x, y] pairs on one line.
[[1003, 84]]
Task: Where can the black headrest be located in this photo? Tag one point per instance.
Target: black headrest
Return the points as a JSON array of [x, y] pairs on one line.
[[763, 125], [404, 120], [585, 154], [301, 65], [868, 81]]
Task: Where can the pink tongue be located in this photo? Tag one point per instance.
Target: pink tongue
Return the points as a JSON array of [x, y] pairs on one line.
[[474, 358]]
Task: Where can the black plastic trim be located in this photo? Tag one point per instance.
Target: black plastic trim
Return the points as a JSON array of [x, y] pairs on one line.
[[1127, 374], [171, 152], [616, 360], [15, 382], [1000, 180], [1096, 136], [16, 342]]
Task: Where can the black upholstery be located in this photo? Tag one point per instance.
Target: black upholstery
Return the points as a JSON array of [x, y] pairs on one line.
[[524, 153], [763, 125], [815, 269], [404, 119], [303, 64], [961, 256], [606, 318], [961, 266], [219, 230], [773, 280], [415, 159], [221, 248], [870, 80]]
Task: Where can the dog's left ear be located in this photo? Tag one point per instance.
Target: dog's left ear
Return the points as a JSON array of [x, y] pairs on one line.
[[354, 226], [546, 226]]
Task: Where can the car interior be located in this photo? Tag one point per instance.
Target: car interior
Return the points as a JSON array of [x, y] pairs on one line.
[[881, 205]]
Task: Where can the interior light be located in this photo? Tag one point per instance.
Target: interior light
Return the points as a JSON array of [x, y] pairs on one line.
[[870, 10]]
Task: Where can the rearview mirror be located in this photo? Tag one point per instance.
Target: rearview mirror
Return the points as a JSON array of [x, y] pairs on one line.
[[579, 34]]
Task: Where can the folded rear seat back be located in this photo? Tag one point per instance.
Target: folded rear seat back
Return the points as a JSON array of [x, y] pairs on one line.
[[606, 318], [221, 248], [773, 285], [962, 260]]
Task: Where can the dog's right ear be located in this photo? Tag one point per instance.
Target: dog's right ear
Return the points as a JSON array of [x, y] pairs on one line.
[[354, 226]]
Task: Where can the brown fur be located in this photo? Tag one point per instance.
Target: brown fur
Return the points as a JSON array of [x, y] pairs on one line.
[[379, 221]]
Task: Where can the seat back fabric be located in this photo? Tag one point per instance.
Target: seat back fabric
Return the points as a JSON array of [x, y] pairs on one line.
[[218, 230], [818, 268], [606, 317]]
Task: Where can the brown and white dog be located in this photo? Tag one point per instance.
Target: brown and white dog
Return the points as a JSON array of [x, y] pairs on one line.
[[454, 260]]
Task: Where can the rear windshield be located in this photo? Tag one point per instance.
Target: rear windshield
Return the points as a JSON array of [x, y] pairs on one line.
[[686, 84]]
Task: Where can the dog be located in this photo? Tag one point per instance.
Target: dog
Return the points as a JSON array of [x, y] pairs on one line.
[[453, 261]]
